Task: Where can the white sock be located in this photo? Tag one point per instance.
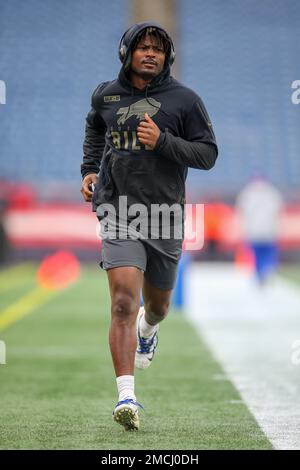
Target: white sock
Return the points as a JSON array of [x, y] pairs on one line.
[[146, 330], [125, 384]]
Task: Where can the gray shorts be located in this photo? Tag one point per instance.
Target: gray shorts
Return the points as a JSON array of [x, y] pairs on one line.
[[158, 259]]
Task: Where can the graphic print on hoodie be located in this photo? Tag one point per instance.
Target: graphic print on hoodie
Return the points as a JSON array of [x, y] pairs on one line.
[[127, 167]]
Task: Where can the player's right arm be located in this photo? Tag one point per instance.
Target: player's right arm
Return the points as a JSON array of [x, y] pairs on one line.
[[93, 146]]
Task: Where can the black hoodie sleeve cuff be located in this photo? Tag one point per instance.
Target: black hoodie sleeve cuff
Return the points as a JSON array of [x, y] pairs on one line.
[[160, 141], [196, 154]]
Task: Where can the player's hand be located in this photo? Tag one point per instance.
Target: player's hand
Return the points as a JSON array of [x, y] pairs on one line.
[[85, 190], [148, 132]]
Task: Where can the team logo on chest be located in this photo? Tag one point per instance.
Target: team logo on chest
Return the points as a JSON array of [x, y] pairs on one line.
[[138, 109]]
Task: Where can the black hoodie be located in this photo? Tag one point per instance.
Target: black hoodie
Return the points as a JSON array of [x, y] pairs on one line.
[[128, 168]]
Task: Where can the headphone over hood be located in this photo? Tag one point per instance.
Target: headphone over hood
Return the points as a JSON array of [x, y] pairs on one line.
[[129, 36]]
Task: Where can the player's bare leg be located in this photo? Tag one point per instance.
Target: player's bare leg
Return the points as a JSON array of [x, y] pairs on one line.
[[156, 302], [156, 306], [124, 284]]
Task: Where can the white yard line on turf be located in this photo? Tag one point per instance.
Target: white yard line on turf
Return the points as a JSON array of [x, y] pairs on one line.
[[252, 332]]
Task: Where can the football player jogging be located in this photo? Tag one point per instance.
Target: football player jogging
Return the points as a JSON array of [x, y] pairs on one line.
[[142, 133]]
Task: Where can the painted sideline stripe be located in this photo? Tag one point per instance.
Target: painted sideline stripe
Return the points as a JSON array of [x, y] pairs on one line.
[[252, 333], [25, 305]]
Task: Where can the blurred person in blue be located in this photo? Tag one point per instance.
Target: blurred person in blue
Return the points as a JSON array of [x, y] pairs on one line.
[[142, 133], [259, 206]]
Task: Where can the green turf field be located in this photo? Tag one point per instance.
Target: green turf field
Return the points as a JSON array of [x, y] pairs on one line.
[[58, 388], [291, 272]]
